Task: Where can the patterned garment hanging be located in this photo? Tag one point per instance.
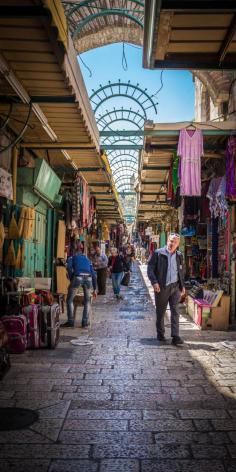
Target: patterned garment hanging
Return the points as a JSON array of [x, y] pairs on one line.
[[230, 155]]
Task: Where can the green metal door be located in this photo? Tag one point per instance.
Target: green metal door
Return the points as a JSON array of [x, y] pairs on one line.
[[35, 249], [40, 243]]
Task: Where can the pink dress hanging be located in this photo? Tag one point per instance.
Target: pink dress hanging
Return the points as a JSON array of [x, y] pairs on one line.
[[190, 150]]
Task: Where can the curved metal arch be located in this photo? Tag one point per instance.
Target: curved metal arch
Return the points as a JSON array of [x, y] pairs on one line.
[[123, 89], [124, 118], [122, 169], [87, 3], [110, 12], [123, 185], [121, 139], [124, 163], [120, 163], [125, 152], [122, 177]]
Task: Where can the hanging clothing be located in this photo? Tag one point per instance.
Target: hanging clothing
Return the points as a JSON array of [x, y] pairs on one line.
[[190, 150], [26, 223], [175, 170], [13, 230], [85, 204], [170, 192], [230, 155], [216, 194], [10, 259], [77, 198]]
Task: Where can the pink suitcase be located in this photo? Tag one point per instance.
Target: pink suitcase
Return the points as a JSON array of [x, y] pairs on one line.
[[31, 312], [16, 327]]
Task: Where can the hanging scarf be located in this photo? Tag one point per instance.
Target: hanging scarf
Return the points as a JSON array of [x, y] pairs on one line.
[[230, 155]]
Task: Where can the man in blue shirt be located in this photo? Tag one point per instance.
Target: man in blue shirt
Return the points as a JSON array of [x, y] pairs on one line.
[[165, 271], [81, 274]]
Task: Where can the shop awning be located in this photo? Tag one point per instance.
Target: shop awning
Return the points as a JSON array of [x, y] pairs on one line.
[[193, 34], [38, 62], [160, 142]]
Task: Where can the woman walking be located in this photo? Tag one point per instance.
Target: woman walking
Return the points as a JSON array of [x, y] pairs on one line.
[[117, 267]]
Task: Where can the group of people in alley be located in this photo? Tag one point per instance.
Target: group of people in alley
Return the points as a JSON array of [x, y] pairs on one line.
[[164, 270], [91, 275]]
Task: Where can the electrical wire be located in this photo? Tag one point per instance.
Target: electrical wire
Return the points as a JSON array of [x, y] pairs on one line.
[[85, 65], [162, 84], [124, 60]]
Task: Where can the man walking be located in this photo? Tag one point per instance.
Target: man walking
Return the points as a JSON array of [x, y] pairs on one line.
[[81, 273], [100, 265], [165, 271]]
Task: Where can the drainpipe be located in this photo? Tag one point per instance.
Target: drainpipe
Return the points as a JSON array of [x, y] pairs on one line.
[[14, 172], [151, 23]]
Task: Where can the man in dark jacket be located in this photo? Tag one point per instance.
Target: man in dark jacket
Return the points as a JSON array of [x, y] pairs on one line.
[[165, 271]]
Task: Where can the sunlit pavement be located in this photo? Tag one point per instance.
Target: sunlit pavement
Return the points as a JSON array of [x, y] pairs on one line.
[[123, 402]]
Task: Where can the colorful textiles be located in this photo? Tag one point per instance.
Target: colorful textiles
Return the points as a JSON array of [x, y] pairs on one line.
[[77, 198], [13, 230], [230, 155], [85, 204], [190, 150], [175, 170], [26, 223], [216, 194]]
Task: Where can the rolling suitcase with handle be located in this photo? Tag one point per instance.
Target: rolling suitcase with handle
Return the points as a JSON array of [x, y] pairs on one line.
[[31, 312], [49, 325]]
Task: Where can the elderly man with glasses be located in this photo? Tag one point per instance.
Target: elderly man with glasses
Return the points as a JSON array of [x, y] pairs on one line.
[[165, 271]]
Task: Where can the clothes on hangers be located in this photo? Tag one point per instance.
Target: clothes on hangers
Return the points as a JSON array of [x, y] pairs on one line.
[[230, 155], [175, 170], [190, 150], [216, 194]]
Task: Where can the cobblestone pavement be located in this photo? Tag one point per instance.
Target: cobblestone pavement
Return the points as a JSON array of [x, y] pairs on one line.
[[124, 403]]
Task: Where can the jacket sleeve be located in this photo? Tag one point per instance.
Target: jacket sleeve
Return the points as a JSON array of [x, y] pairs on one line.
[[152, 268]]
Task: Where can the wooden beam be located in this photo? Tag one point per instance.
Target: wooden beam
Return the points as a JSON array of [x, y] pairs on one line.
[[228, 40], [199, 6], [57, 145], [195, 61]]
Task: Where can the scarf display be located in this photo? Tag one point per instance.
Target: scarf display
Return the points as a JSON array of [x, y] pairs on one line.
[[216, 194], [230, 156]]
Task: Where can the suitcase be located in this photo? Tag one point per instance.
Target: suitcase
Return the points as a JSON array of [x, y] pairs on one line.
[[16, 327], [31, 312], [4, 362], [49, 325], [3, 336]]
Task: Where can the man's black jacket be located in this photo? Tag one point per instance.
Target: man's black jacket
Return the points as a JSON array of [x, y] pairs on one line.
[[157, 268]]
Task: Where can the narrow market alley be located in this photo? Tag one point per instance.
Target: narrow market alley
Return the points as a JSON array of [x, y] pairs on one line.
[[122, 402]]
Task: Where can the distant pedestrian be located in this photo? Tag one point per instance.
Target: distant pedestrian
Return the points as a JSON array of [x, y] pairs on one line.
[[81, 274], [100, 265], [117, 267], [165, 271]]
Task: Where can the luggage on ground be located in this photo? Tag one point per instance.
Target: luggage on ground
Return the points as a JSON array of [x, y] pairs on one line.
[[49, 325], [31, 312], [16, 327]]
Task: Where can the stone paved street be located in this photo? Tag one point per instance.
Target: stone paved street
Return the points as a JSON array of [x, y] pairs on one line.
[[124, 403]]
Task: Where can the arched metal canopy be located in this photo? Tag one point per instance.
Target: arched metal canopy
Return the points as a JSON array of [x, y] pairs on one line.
[[125, 115], [86, 16], [124, 89]]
